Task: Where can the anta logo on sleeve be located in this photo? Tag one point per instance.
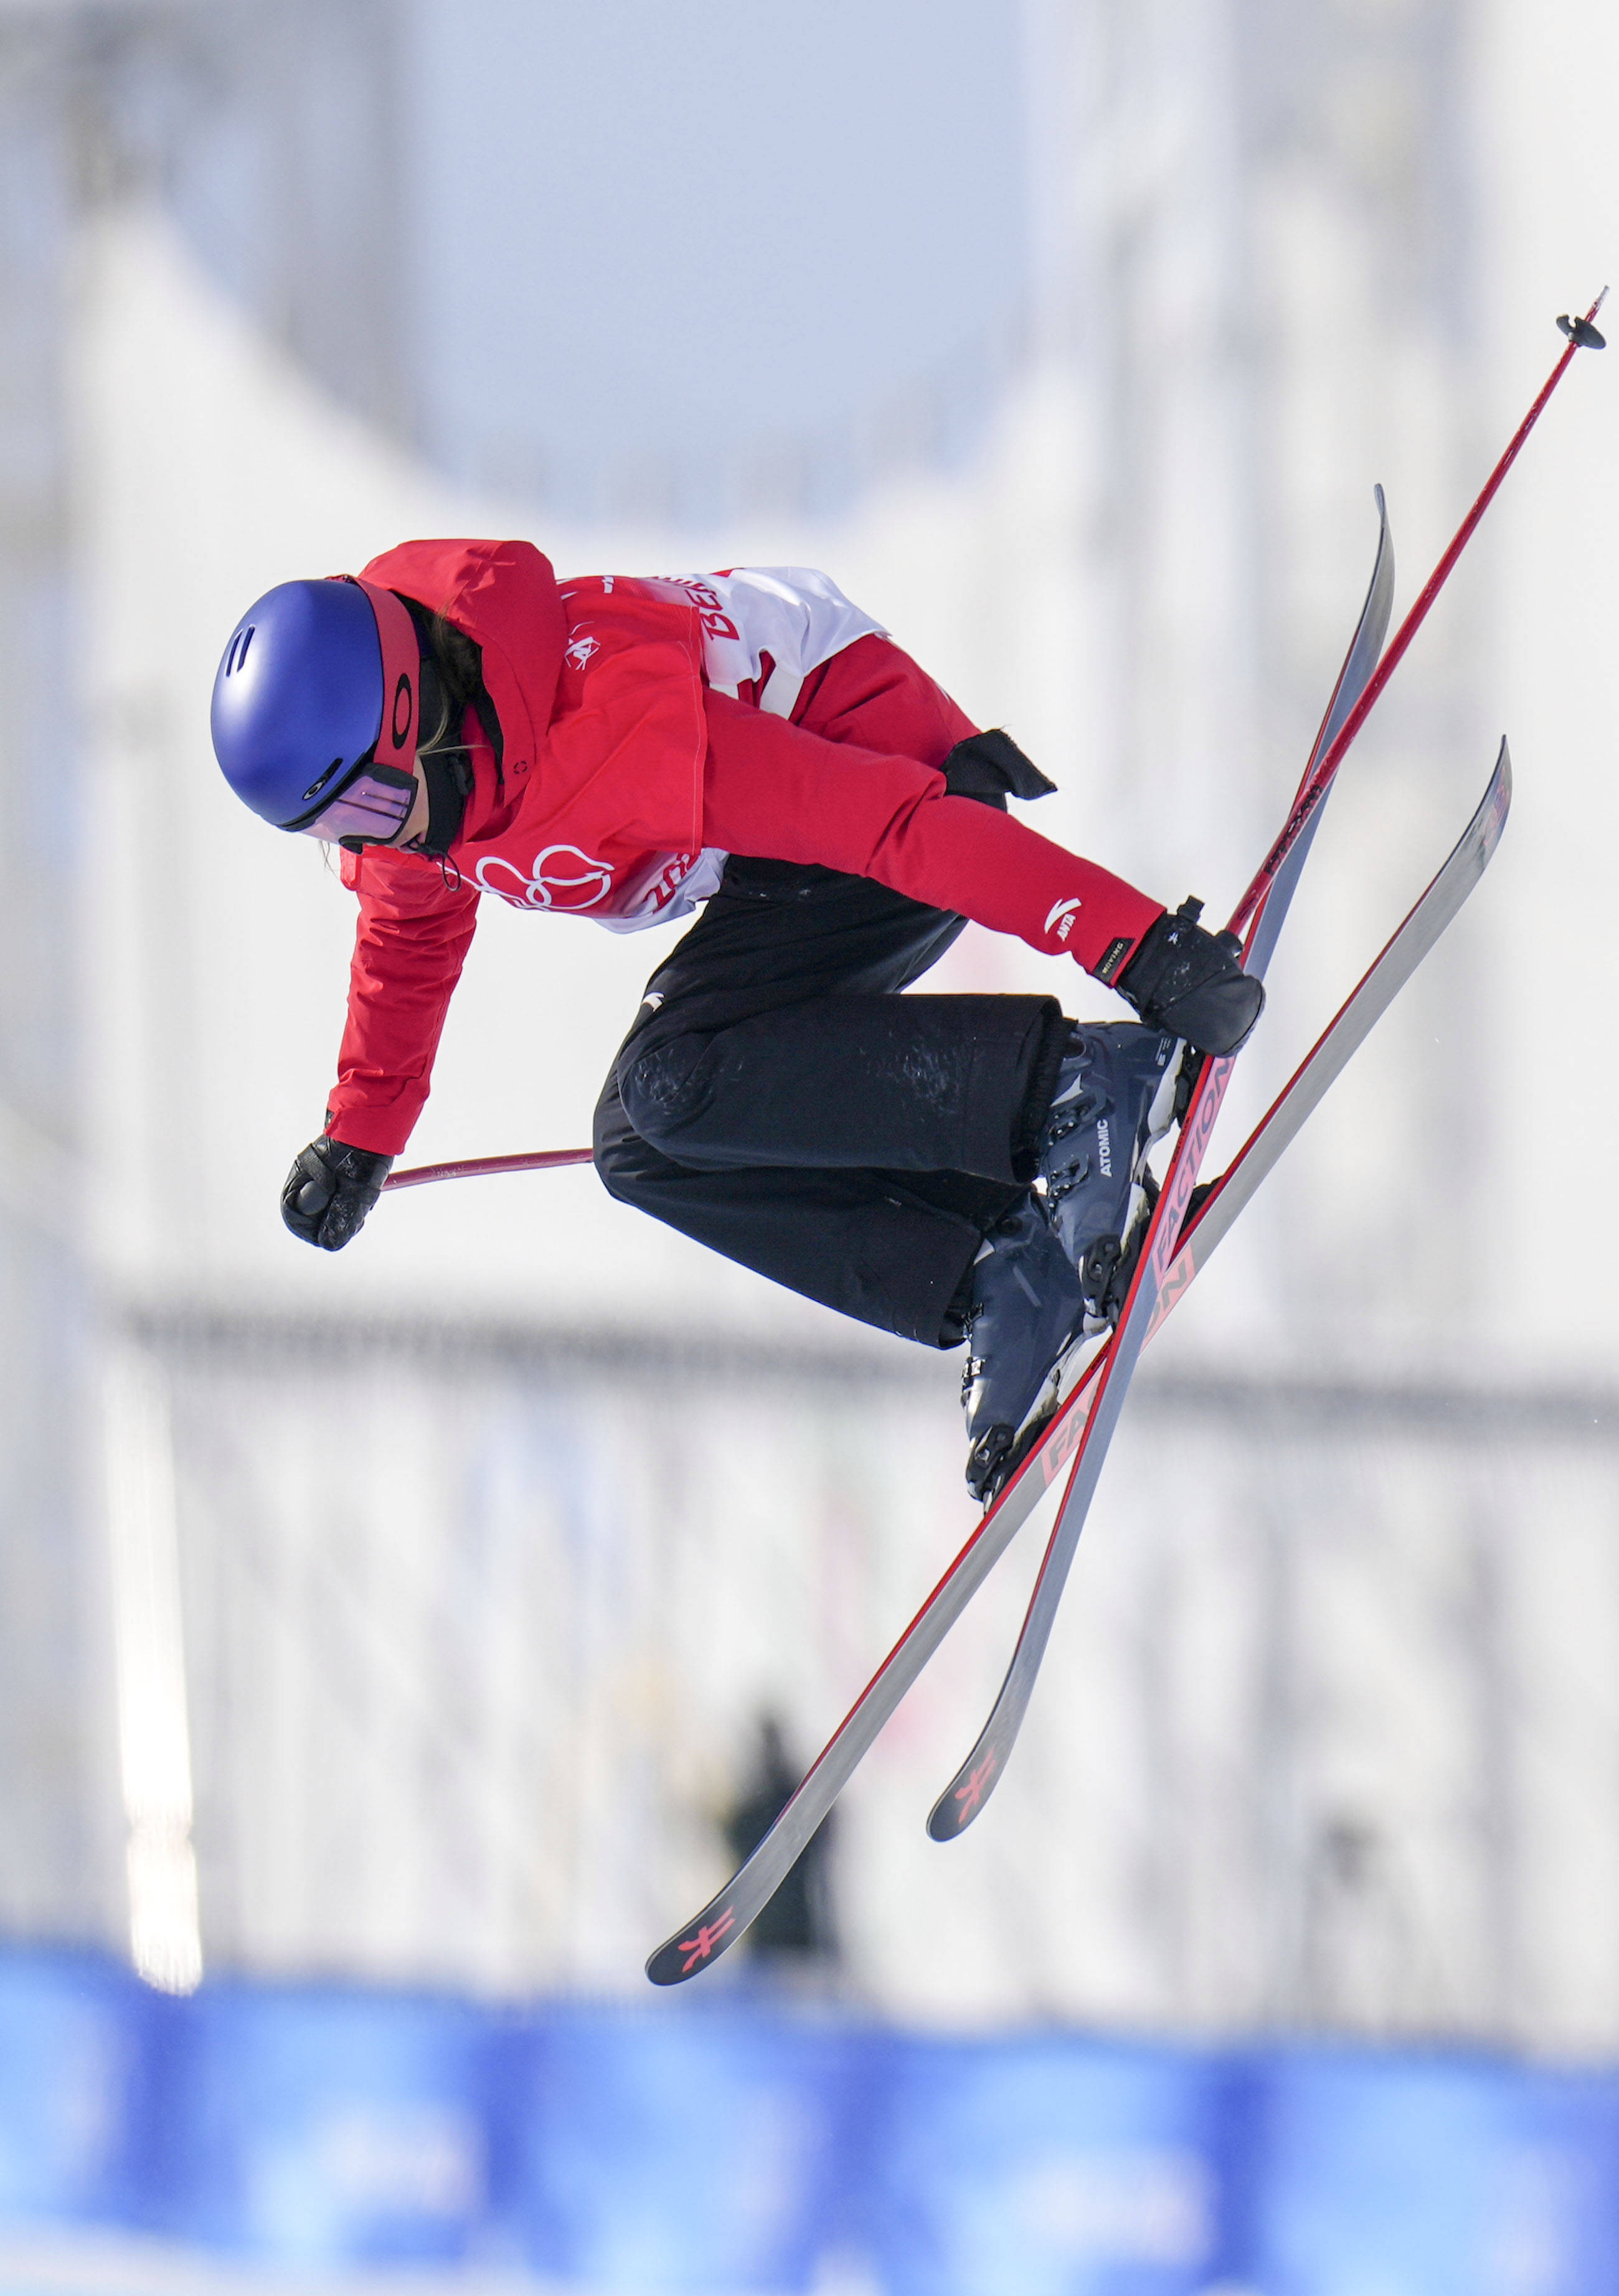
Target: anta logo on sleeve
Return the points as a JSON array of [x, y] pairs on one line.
[[562, 878], [1067, 911]]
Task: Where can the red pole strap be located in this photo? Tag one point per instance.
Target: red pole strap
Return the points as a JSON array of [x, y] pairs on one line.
[[476, 1168], [1316, 788]]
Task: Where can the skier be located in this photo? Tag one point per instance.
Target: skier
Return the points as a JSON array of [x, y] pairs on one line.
[[950, 1169]]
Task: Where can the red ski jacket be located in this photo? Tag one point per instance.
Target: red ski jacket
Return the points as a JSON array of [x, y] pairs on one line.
[[649, 728]]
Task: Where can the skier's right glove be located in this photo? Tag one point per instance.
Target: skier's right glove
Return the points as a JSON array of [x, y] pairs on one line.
[[1192, 982], [329, 1191]]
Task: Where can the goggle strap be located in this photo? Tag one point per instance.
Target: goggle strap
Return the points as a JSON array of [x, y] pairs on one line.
[[396, 740]]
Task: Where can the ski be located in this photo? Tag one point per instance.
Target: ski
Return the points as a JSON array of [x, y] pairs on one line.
[[757, 1881], [1065, 1440], [1345, 1035]]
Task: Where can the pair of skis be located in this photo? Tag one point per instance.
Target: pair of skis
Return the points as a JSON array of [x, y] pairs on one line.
[[725, 1918], [1175, 1249]]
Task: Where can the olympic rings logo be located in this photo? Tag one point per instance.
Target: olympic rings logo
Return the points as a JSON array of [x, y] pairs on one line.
[[562, 878]]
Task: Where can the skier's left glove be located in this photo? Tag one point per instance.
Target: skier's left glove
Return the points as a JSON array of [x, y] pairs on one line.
[[1192, 982], [329, 1191]]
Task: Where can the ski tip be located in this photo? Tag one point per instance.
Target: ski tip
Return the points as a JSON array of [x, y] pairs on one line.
[[941, 1820], [680, 1958], [965, 1796]]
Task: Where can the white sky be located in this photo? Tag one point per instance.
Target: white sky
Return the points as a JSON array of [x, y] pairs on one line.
[[691, 235]]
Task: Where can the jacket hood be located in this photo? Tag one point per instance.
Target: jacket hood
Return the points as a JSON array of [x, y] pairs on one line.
[[503, 596]]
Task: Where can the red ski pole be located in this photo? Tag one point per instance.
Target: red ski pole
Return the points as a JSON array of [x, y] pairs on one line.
[[475, 1168], [1582, 336]]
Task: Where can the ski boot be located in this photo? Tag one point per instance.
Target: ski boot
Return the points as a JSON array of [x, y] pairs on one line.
[[1118, 1091], [1026, 1307]]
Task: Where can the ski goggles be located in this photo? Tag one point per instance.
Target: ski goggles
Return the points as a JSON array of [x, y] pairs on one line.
[[372, 803]]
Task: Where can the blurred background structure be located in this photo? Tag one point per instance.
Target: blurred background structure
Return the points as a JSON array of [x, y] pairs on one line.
[[404, 1620]]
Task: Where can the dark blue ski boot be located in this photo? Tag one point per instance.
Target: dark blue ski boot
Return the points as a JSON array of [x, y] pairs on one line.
[[1119, 1090], [1027, 1305]]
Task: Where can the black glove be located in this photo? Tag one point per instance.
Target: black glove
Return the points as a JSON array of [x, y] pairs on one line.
[[1192, 982], [329, 1191]]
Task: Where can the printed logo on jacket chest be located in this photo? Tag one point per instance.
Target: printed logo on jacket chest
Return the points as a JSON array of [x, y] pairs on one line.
[[562, 878]]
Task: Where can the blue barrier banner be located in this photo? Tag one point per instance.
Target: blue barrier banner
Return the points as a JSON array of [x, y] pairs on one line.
[[78, 2044], [1431, 2176], [707, 2149], [320, 2124], [1051, 2167], [737, 2147]]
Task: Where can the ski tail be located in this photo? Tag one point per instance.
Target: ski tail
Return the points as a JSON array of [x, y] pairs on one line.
[[1342, 1036], [1358, 663]]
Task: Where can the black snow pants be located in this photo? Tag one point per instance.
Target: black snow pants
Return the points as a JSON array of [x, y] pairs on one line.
[[777, 1099]]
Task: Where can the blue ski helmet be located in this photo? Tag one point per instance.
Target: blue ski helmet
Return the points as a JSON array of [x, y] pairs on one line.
[[315, 709]]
